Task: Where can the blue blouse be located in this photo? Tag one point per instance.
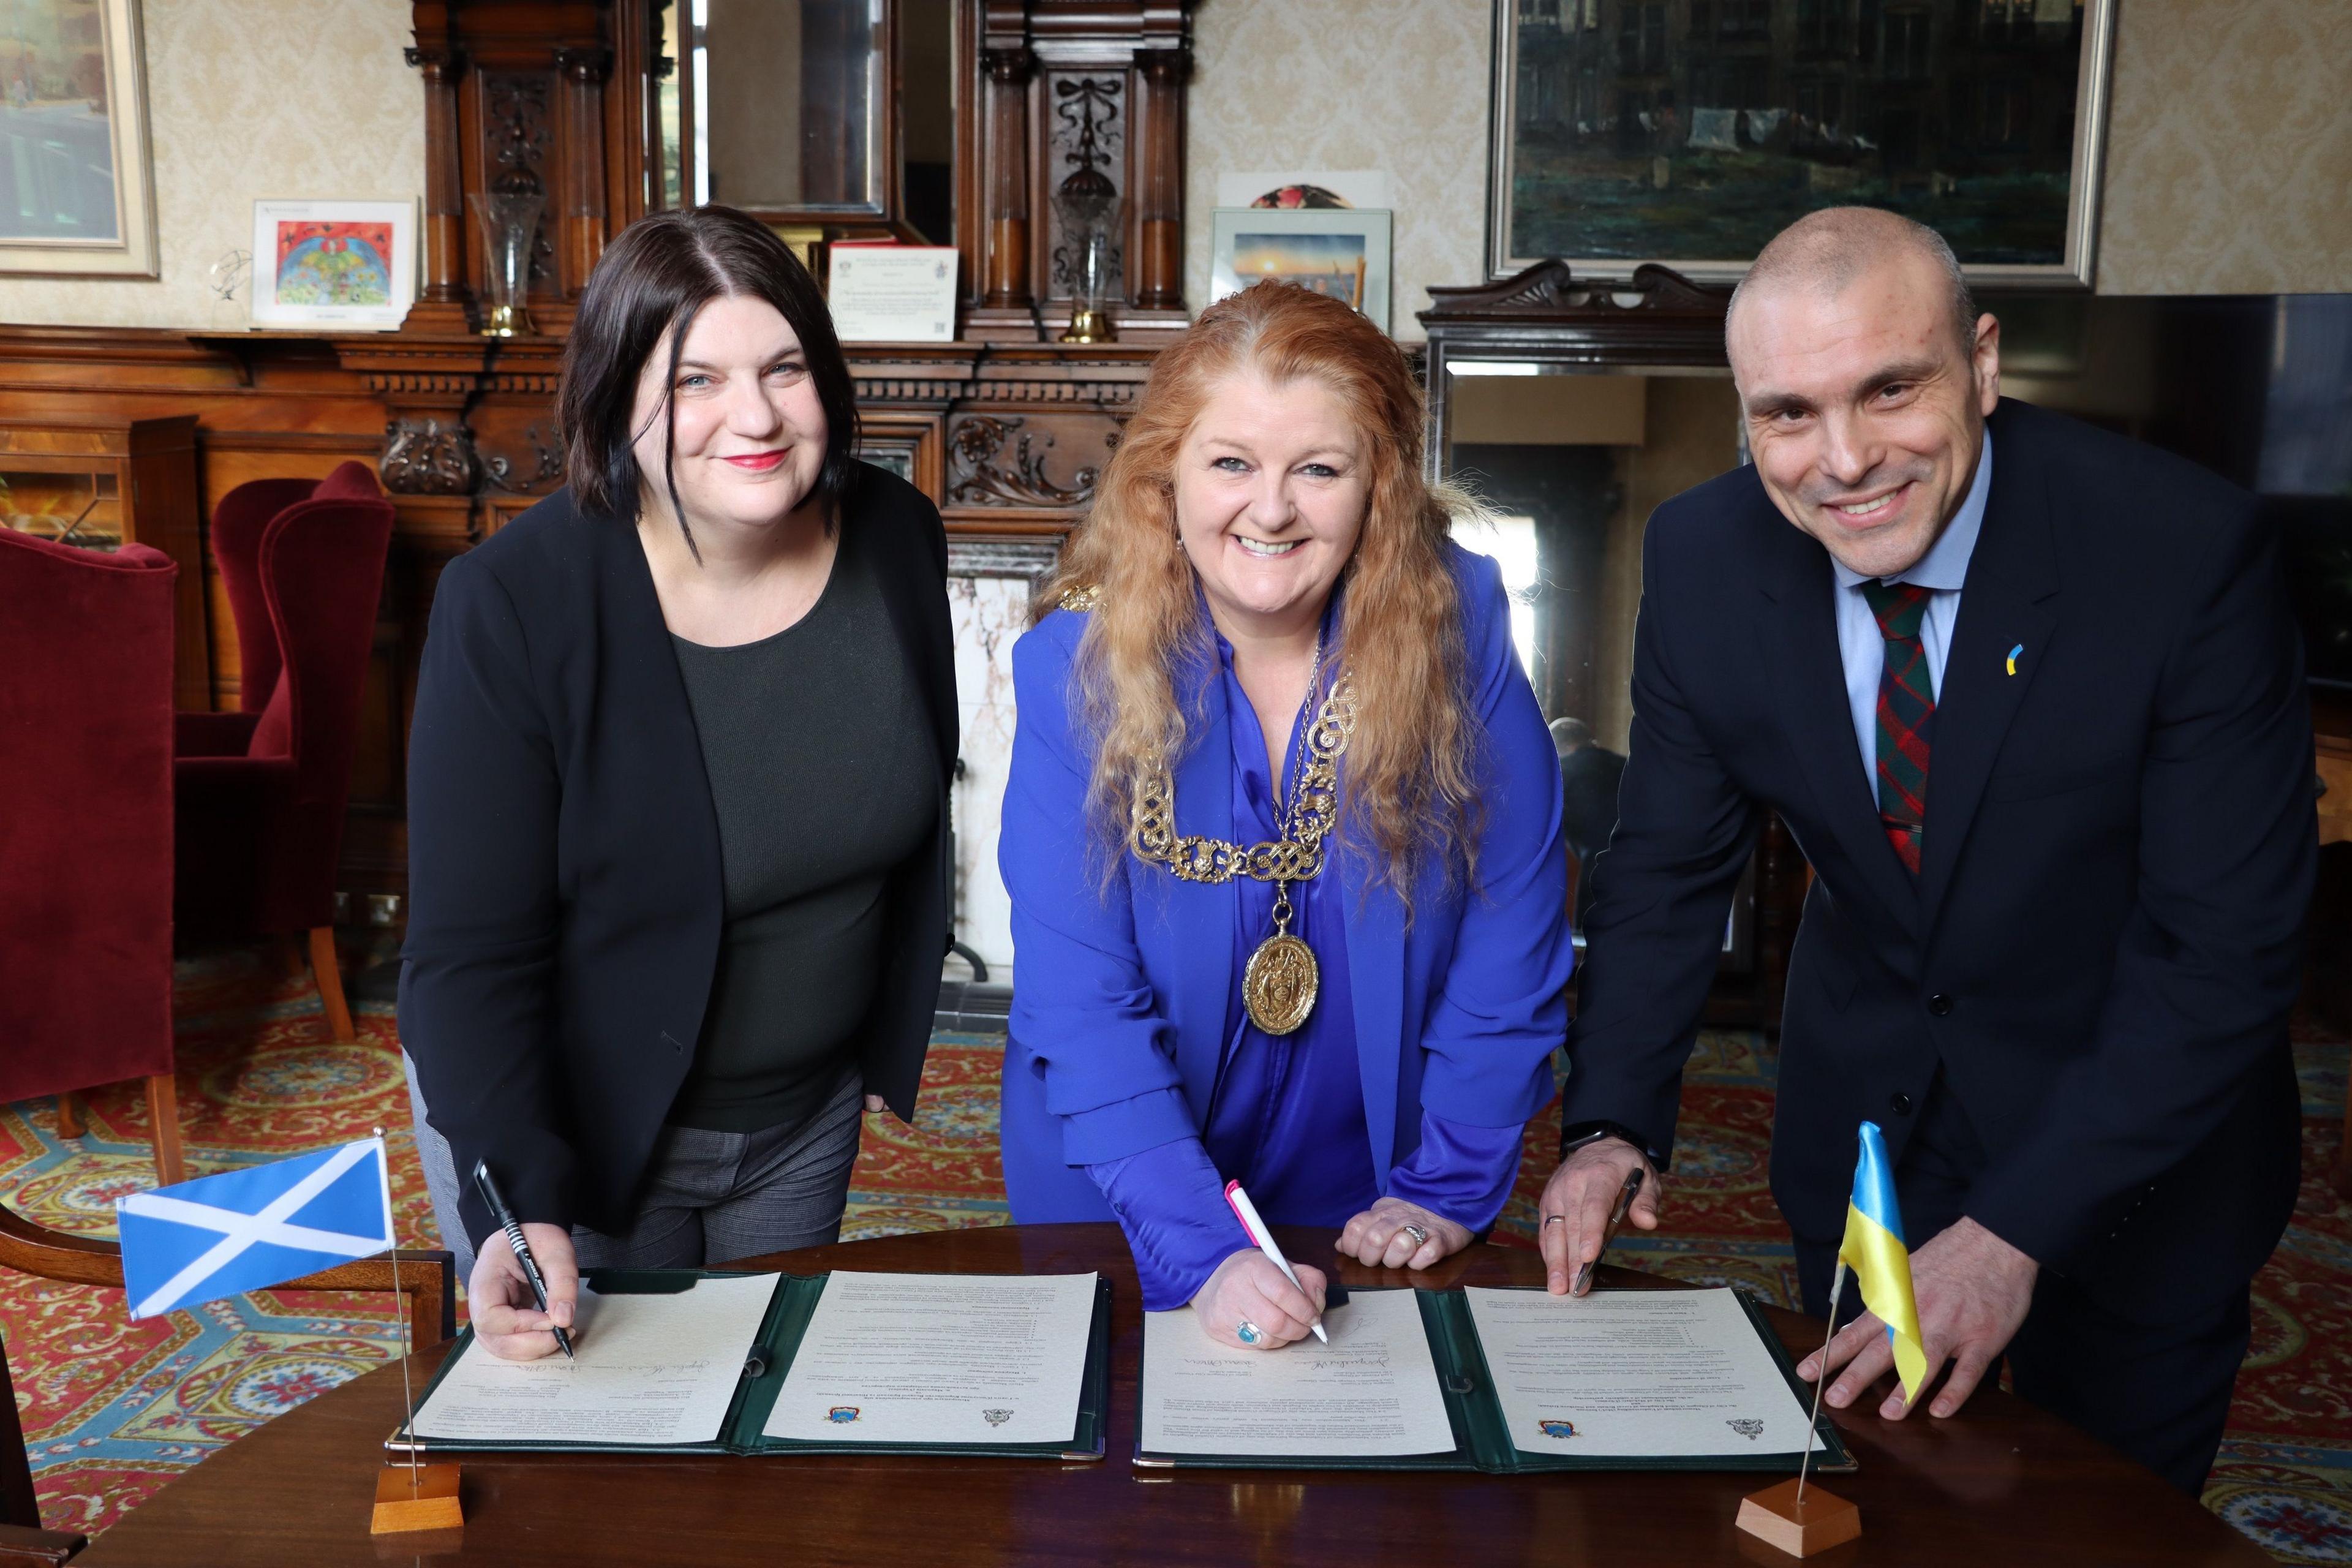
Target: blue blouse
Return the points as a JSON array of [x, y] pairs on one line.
[[1287, 1115], [1134, 1084]]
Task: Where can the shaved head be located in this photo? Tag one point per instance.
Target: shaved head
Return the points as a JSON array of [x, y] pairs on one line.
[[1865, 380], [1827, 250]]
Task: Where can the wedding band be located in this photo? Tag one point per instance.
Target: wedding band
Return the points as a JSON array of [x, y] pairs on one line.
[[1249, 1333], [1555, 1219], [1419, 1236]]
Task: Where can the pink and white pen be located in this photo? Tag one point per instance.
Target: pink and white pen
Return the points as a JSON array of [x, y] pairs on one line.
[[1263, 1239]]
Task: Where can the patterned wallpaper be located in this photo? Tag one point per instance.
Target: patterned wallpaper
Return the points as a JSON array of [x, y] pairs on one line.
[[2229, 151], [2229, 148], [1399, 85], [250, 98], [2230, 154]]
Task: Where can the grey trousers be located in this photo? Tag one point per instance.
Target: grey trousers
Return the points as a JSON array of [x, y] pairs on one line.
[[708, 1197]]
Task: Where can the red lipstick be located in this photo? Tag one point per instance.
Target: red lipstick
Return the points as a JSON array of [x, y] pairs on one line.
[[757, 462]]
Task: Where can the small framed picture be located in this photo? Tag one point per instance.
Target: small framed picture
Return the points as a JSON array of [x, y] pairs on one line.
[[892, 293], [1339, 251], [340, 264]]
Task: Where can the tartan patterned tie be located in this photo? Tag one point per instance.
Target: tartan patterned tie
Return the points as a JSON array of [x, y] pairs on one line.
[[1906, 713]]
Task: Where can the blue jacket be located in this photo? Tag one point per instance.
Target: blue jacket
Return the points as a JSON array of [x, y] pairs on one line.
[[1120, 998]]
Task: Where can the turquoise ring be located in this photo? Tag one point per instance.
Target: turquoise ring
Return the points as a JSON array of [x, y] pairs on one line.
[[1248, 1332]]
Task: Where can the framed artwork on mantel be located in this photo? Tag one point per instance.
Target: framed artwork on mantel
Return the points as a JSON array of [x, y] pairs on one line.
[[77, 186], [1688, 132]]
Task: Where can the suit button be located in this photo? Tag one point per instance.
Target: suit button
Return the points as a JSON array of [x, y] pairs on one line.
[[1900, 1104], [1940, 1006]]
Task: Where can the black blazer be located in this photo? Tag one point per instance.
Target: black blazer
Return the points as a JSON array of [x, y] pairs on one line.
[[2103, 940], [564, 882]]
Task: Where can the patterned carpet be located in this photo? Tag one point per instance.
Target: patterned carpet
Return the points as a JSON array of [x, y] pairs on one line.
[[113, 1410]]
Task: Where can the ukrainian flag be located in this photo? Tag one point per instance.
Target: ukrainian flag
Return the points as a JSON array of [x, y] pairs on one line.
[[1874, 1250]]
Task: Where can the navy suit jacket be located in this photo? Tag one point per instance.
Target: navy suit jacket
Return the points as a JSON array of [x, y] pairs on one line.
[[2104, 940], [565, 894]]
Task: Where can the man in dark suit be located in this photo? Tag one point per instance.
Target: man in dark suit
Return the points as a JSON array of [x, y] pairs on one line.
[[2029, 697]]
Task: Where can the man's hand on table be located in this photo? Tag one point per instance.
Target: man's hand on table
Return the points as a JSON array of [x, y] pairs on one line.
[[1972, 1289], [1574, 1210]]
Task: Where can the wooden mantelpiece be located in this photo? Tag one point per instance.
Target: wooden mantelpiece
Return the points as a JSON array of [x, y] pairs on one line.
[[1007, 438]]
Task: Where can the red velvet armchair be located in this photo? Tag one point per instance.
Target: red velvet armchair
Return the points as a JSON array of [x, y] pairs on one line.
[[86, 829], [262, 791]]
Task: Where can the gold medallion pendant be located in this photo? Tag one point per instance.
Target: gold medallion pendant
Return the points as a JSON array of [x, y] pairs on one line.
[[1279, 983], [1278, 987]]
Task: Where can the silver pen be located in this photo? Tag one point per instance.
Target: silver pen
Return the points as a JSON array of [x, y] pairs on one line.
[[1616, 1218]]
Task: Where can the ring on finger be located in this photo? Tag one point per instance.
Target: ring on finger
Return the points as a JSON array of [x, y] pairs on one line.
[[1249, 1333], [1419, 1236], [1555, 1219]]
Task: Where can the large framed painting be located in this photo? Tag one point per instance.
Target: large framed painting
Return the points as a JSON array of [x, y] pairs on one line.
[[77, 190], [1690, 131]]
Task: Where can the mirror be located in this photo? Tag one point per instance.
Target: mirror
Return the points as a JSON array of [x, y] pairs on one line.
[[837, 113], [1573, 459]]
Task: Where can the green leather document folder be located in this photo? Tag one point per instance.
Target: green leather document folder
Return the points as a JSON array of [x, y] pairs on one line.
[[1731, 1404], [518, 1404]]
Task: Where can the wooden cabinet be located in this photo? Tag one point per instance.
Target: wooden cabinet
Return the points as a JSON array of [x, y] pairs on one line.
[[100, 484]]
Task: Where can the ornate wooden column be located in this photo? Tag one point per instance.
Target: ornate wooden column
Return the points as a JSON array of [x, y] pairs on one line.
[[582, 239], [1160, 183], [1010, 69], [442, 304]]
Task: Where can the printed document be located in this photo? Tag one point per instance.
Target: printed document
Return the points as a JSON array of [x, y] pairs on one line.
[[939, 1358], [1650, 1374], [1372, 1391], [648, 1369]]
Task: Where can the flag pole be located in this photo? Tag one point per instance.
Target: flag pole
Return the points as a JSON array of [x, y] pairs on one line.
[[1813, 1427], [407, 1394]]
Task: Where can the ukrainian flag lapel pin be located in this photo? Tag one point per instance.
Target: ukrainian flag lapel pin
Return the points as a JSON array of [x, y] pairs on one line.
[[2012, 657]]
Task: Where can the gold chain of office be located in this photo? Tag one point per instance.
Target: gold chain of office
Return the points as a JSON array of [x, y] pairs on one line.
[[1314, 812], [1281, 980]]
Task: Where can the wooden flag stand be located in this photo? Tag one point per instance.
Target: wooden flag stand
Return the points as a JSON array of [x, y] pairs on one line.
[[413, 1497], [417, 1497], [1786, 1516]]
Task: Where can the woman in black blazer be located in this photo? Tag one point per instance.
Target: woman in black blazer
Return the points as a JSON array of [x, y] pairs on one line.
[[678, 795]]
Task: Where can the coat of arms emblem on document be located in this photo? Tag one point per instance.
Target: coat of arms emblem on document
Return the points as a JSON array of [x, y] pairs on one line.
[[1747, 1427], [1557, 1429], [996, 1417], [842, 1415]]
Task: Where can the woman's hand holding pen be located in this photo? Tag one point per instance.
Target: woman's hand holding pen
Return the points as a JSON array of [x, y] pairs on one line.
[[506, 1321], [1247, 1288]]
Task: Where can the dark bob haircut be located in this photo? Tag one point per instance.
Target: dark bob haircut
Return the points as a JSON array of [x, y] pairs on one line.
[[657, 275]]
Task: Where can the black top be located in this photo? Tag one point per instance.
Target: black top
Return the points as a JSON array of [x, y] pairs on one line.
[[821, 771], [2102, 943], [566, 886]]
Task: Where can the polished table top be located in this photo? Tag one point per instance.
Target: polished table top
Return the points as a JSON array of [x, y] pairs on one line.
[[2003, 1483]]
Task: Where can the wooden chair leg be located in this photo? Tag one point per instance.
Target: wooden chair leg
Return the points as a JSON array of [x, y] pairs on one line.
[[73, 1119], [163, 1128], [330, 983]]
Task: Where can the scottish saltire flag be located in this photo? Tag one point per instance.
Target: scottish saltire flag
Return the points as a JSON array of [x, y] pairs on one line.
[[1874, 1250], [243, 1230]]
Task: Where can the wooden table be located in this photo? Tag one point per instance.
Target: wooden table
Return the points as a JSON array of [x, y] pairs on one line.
[[2001, 1484]]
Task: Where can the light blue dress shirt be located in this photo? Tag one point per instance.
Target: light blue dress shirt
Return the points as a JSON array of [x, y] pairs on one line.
[[1944, 569]]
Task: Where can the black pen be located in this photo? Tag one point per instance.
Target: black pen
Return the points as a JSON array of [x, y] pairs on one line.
[[513, 1227], [1616, 1218]]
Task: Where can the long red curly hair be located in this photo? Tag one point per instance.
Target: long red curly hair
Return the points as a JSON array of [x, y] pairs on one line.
[[1407, 793]]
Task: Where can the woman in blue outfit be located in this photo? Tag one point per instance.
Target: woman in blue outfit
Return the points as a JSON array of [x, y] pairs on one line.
[[1282, 835]]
